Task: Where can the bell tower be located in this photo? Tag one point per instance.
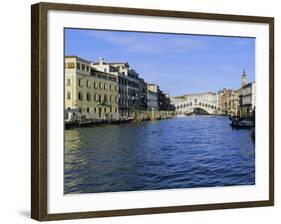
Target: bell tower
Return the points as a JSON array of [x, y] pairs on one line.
[[244, 79]]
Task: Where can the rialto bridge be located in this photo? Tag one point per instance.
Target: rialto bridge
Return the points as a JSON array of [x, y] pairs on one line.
[[196, 106]]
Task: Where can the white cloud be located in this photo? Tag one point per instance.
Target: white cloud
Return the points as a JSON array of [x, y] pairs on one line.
[[147, 43]]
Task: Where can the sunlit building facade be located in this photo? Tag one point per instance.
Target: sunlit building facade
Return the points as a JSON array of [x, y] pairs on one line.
[[91, 92]]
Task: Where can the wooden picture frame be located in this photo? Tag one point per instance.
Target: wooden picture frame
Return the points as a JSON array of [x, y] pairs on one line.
[[39, 109]]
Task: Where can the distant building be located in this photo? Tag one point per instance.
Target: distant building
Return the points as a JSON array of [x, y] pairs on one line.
[[142, 103], [208, 97], [152, 101], [177, 99], [163, 99], [233, 103], [152, 97], [228, 101], [93, 93]]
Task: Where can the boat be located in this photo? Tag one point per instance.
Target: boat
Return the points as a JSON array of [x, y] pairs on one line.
[[244, 124], [241, 123]]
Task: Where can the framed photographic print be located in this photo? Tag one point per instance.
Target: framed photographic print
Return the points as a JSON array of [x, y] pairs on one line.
[[139, 111]]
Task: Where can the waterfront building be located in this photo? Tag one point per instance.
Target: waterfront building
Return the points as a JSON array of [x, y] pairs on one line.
[[133, 86], [163, 99], [152, 97], [168, 102], [164, 102], [91, 92], [142, 104], [152, 101], [245, 100], [233, 103], [123, 81], [253, 95], [129, 79], [228, 102]]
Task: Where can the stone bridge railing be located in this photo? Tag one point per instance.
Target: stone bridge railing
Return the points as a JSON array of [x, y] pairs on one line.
[[189, 106]]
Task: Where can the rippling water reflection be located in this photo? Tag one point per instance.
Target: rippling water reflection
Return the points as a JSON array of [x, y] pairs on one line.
[[195, 151]]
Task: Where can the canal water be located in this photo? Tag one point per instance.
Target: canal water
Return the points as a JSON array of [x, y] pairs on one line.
[[187, 152]]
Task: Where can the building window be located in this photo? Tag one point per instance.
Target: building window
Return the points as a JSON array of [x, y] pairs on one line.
[[80, 82], [104, 86], [115, 110], [83, 66], [78, 65], [88, 110], [110, 110], [95, 97], [88, 97], [70, 65], [88, 68], [105, 98], [99, 98], [95, 85], [104, 110], [88, 83], [80, 96], [110, 98], [95, 110], [68, 82], [68, 96], [99, 85]]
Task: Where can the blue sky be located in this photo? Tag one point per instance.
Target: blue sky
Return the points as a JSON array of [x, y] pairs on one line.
[[179, 64]]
